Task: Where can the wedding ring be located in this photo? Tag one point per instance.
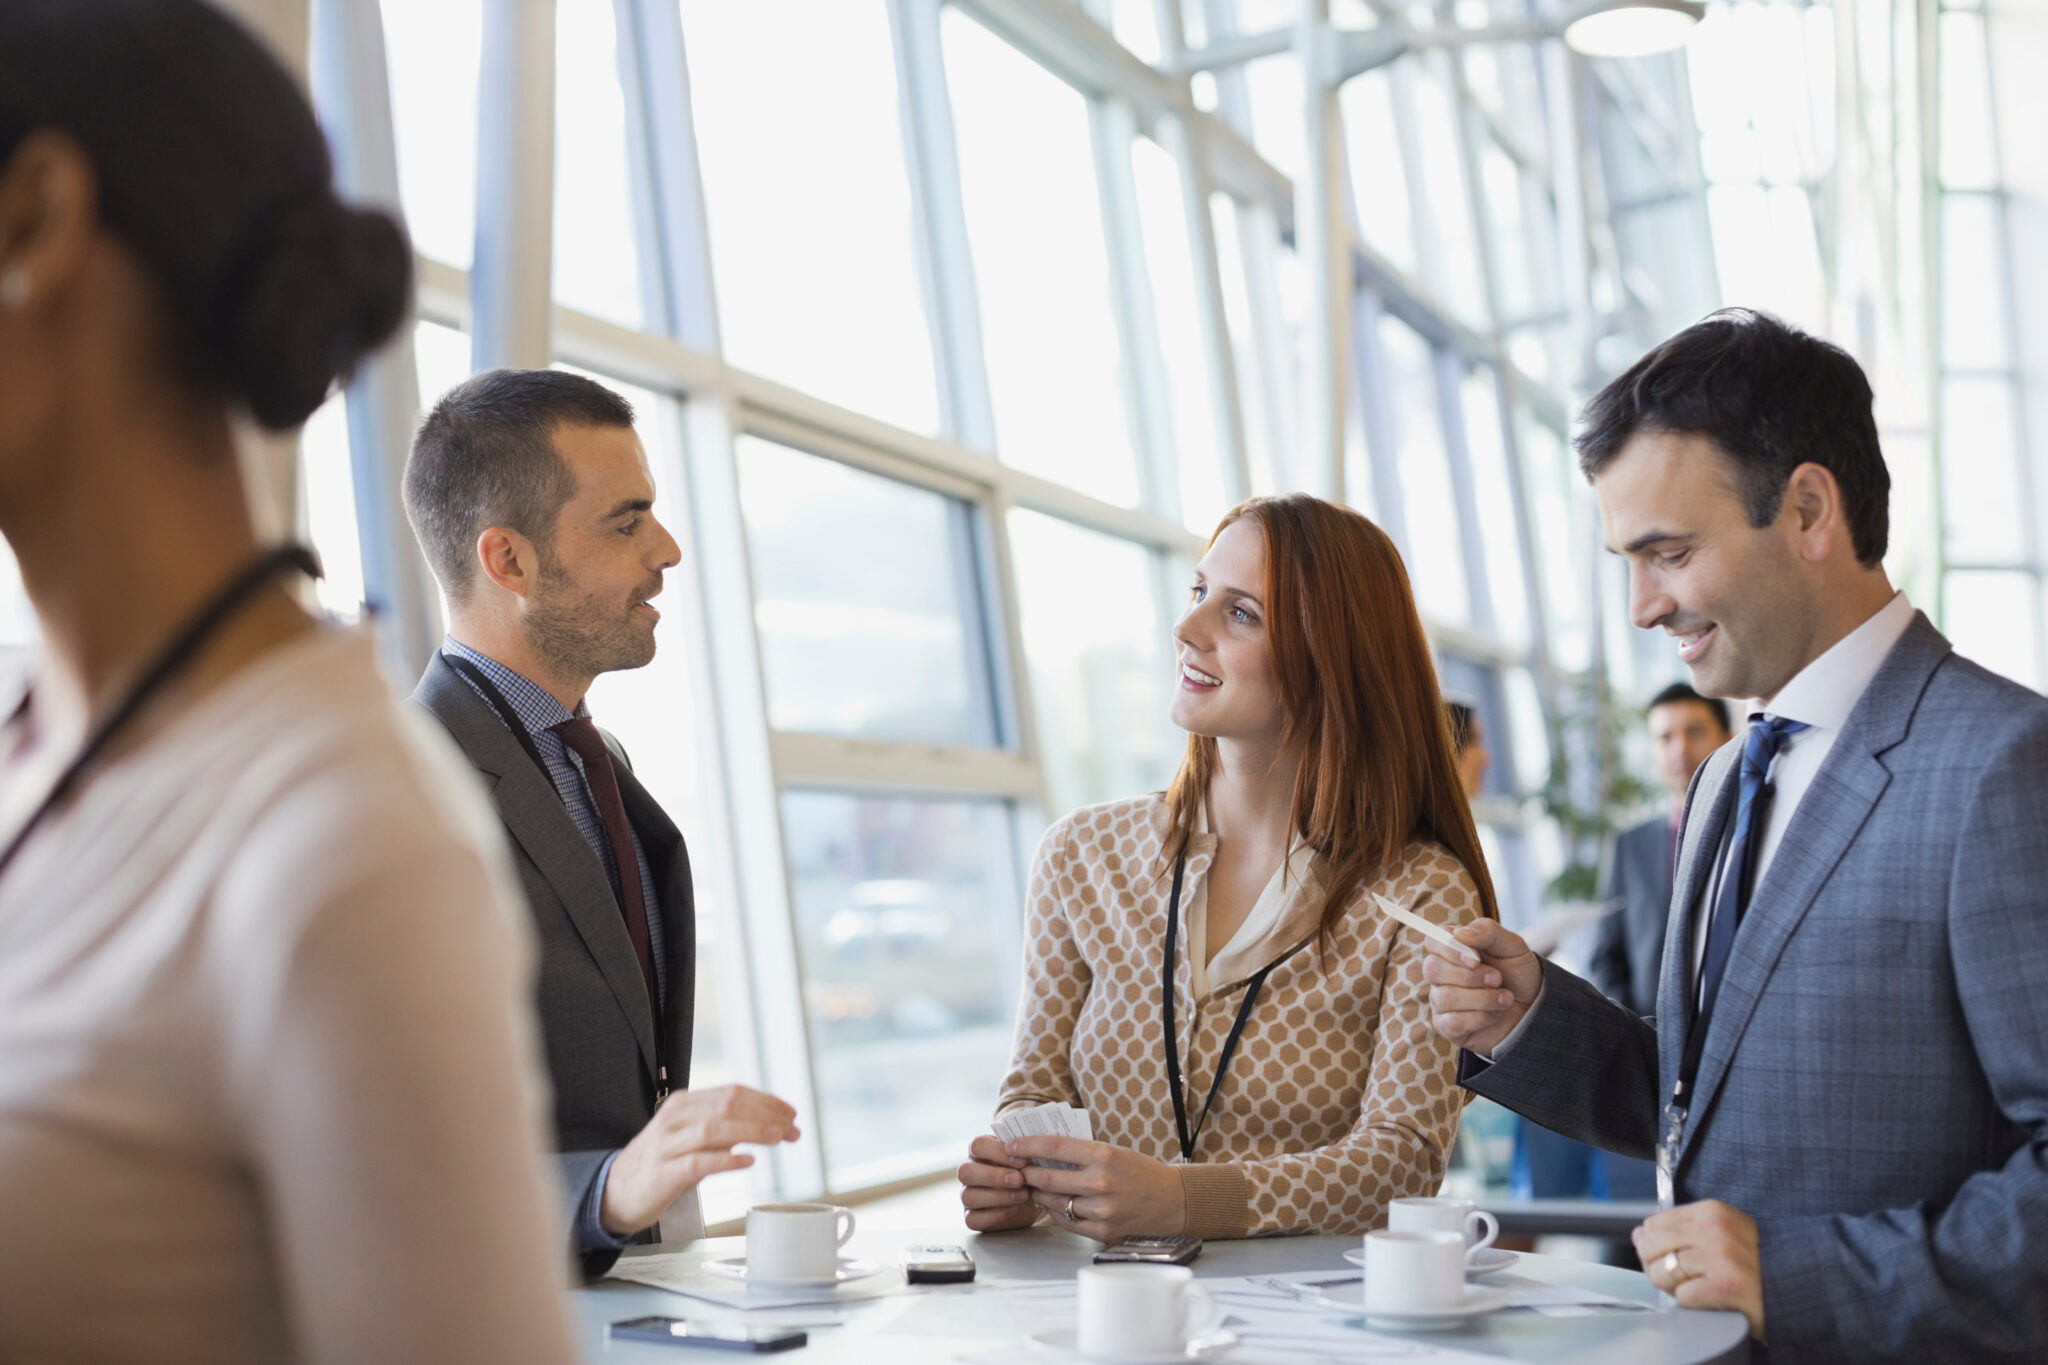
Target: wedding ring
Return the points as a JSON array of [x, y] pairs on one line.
[[1068, 1216], [1678, 1277]]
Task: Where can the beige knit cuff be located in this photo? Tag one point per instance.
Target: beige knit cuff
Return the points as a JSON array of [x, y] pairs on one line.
[[1218, 1201]]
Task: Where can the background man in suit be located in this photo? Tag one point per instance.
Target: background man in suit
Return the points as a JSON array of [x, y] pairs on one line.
[[531, 496], [1685, 728], [1849, 1073]]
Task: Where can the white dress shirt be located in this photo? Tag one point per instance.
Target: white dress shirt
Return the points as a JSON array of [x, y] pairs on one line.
[[1822, 694]]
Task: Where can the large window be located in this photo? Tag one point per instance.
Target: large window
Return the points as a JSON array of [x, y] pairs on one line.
[[953, 331], [809, 202], [867, 600]]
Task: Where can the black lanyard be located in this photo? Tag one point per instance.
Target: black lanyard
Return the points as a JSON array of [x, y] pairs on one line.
[[208, 619], [1244, 1012]]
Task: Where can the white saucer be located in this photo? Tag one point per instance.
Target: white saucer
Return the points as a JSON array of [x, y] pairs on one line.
[[1485, 1261], [850, 1268], [1479, 1301], [1198, 1348]]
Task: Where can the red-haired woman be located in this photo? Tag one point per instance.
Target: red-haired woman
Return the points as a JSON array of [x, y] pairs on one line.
[[1289, 1080]]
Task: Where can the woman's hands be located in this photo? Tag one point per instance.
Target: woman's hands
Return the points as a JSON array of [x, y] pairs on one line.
[[992, 1188], [1114, 1193]]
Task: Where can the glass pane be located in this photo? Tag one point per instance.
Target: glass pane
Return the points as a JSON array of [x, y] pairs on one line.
[[1767, 253], [1101, 662], [441, 354], [906, 929], [1969, 143], [1500, 537], [1435, 561], [1273, 89], [1450, 207], [1506, 205], [865, 595], [1994, 619], [327, 497], [1973, 293], [1379, 188], [433, 49], [809, 201], [665, 726], [597, 254], [1027, 176], [1526, 726], [1257, 365], [1137, 28], [1981, 500], [1564, 549], [1163, 218]]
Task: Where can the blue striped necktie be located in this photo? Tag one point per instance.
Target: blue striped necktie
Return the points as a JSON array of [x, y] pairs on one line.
[[1767, 734]]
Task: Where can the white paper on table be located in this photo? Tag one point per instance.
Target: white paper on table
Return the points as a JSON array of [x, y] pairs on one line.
[[1046, 1120], [1523, 1292], [683, 1272], [999, 1310]]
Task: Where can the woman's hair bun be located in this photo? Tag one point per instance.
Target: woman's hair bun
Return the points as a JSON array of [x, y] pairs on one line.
[[312, 286]]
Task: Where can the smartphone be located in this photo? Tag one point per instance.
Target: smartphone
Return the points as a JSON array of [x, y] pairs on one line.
[[716, 1336], [1151, 1251], [937, 1265]]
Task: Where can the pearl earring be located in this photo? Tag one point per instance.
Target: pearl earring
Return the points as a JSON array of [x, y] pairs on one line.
[[14, 287]]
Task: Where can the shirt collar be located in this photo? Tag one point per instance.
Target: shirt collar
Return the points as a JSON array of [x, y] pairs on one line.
[[537, 708], [1823, 693]]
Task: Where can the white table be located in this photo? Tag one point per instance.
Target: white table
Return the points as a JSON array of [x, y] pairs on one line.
[[1678, 1337]]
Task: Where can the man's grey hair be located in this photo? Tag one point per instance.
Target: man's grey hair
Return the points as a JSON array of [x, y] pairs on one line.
[[485, 456]]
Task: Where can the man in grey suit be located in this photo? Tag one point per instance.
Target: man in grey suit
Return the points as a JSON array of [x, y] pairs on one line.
[[1847, 1082], [530, 494], [1685, 729]]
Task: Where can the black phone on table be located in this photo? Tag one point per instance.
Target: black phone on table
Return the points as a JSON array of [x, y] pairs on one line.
[[937, 1265], [1150, 1251], [716, 1336]]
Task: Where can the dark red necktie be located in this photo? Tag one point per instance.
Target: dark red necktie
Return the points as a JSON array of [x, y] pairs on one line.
[[580, 733]]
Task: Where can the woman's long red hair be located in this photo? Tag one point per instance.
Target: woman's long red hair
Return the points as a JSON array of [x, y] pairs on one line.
[[1361, 701]]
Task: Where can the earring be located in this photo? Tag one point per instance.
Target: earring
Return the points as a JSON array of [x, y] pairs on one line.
[[14, 286]]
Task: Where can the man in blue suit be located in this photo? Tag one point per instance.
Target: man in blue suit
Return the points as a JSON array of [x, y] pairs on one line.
[[1846, 1085]]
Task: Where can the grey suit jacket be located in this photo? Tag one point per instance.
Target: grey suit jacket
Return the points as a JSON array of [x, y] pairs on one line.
[[1874, 1089], [1629, 950], [596, 1025]]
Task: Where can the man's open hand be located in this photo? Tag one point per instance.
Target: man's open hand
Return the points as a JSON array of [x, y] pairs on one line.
[[691, 1136]]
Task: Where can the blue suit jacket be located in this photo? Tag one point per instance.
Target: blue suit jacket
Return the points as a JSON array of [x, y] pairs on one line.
[[1874, 1090]]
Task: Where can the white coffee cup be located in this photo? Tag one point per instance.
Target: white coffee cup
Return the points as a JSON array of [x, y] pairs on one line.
[[1407, 1270], [796, 1241], [1462, 1216], [1138, 1310]]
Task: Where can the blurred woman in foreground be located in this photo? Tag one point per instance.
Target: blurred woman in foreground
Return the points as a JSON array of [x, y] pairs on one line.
[[268, 1090], [1318, 772]]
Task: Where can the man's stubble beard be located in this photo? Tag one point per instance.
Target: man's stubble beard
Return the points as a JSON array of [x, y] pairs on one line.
[[577, 633]]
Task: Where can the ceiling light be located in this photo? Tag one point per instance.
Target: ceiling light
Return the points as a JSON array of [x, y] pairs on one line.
[[1633, 28]]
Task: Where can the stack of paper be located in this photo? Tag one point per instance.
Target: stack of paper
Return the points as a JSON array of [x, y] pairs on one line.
[[1046, 1120]]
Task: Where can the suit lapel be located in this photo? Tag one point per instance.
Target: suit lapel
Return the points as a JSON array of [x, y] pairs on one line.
[[533, 814], [1707, 812], [1834, 809]]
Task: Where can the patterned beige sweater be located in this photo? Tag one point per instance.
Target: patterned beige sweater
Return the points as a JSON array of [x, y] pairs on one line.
[[1340, 1098]]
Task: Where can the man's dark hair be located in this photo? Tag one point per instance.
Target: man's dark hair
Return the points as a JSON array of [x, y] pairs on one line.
[[1771, 398], [1680, 692], [485, 456]]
